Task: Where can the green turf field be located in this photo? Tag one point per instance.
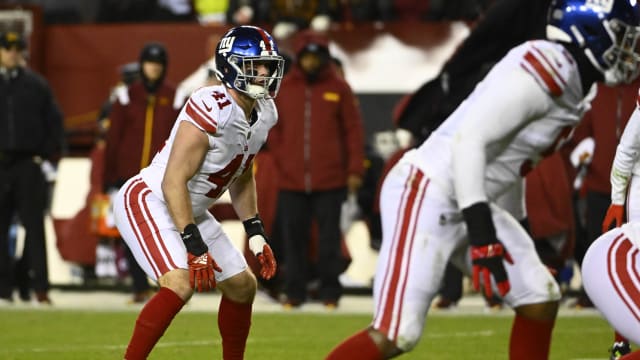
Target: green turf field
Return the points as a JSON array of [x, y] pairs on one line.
[[54, 334]]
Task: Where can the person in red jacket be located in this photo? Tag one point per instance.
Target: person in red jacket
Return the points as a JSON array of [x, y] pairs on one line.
[[140, 121], [318, 145]]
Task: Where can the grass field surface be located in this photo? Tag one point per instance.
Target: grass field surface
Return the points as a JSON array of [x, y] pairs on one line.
[[69, 335]]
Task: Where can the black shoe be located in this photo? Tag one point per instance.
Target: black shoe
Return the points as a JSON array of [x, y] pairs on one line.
[[43, 298], [25, 294], [619, 349], [582, 302], [291, 304], [444, 303]]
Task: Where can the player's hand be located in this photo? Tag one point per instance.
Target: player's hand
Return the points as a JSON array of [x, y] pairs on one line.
[[265, 256], [487, 252], [201, 264], [201, 275], [614, 213], [487, 261], [260, 248]]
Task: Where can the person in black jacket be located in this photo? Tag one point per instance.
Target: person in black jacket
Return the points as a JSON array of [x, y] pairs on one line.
[[31, 132]]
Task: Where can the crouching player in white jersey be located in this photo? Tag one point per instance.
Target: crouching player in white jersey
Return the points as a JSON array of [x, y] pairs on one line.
[[162, 212], [625, 190], [610, 276], [439, 198]]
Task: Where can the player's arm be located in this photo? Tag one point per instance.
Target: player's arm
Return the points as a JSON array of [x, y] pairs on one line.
[[623, 163], [488, 123], [502, 108], [243, 195], [187, 153], [625, 158], [189, 148], [244, 200]]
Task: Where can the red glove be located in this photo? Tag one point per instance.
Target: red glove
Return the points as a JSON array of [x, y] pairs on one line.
[[201, 272], [260, 248], [267, 261], [487, 252], [615, 212], [201, 264], [487, 261]]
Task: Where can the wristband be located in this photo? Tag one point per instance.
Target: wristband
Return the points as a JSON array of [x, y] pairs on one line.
[[479, 224], [193, 240], [254, 226]]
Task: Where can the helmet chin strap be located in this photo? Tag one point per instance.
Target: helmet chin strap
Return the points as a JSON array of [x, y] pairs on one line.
[[612, 77], [256, 91]]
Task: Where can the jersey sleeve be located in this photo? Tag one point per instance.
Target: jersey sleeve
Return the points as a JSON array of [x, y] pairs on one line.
[[487, 123], [625, 158], [547, 68], [202, 111]]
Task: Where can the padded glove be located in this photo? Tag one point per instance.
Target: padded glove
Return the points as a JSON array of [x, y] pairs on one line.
[[201, 264], [614, 213], [259, 246], [487, 253]]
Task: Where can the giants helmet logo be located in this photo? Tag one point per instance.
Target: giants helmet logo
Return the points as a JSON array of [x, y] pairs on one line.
[[226, 44]]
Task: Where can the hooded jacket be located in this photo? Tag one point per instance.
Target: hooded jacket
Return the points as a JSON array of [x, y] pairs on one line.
[[319, 138]]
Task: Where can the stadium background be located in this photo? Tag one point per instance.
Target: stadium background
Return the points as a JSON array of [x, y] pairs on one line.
[[382, 62]]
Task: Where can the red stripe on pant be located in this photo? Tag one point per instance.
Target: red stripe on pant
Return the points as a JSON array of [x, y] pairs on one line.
[[394, 267], [141, 222], [618, 269]]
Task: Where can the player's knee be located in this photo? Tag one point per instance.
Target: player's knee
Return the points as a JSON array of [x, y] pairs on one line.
[[178, 281], [541, 311], [240, 288]]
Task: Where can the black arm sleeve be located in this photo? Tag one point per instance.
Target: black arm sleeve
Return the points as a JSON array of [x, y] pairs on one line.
[[480, 224]]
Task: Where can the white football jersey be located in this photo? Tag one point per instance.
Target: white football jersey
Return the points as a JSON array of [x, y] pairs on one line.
[[625, 163], [232, 144], [526, 106]]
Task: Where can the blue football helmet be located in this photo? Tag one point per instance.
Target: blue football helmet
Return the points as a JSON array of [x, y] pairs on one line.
[[607, 31], [239, 54]]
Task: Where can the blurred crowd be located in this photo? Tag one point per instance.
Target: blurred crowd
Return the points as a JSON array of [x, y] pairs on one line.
[[292, 14]]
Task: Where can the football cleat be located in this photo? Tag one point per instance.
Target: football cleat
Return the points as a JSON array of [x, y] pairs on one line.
[[619, 349]]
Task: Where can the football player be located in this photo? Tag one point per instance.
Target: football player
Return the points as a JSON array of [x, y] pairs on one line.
[[439, 198], [610, 277], [162, 212], [624, 187]]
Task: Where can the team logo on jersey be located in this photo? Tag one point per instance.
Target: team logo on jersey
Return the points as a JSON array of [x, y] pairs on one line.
[[226, 44], [604, 5]]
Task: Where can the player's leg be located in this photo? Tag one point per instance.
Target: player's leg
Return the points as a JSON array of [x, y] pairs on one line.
[[609, 275], [146, 227], [237, 284], [534, 293], [621, 344], [414, 253]]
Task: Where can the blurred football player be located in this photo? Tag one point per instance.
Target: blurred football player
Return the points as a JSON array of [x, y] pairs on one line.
[[438, 202], [162, 212], [610, 277], [624, 188]]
